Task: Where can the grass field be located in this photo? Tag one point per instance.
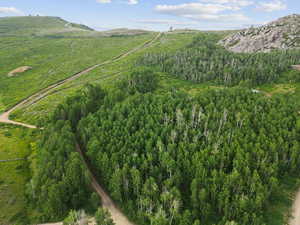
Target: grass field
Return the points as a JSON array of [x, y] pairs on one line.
[[37, 25], [107, 76], [52, 60], [14, 143]]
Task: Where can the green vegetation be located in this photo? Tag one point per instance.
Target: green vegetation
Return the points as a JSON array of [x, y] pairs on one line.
[[103, 217], [59, 182], [173, 158], [35, 25], [107, 77], [75, 218], [204, 60], [52, 60], [15, 143], [140, 80], [193, 150]]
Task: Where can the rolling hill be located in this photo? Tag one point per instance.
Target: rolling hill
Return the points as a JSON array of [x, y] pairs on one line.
[[37, 25]]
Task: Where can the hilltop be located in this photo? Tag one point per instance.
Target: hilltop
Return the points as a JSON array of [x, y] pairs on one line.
[[283, 33], [56, 27], [123, 32], [37, 25]]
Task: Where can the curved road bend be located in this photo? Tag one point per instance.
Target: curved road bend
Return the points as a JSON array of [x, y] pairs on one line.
[[4, 117], [118, 217]]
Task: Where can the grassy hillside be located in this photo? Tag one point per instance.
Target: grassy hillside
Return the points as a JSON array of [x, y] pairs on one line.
[[34, 25], [33, 41], [108, 75], [14, 143], [53, 59]]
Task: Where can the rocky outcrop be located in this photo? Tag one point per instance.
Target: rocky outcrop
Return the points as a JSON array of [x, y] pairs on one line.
[[283, 33]]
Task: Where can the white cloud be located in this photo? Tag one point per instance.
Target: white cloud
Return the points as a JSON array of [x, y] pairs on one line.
[[221, 18], [276, 5], [104, 1], [193, 9], [239, 3], [10, 10], [129, 2], [133, 2], [220, 12]]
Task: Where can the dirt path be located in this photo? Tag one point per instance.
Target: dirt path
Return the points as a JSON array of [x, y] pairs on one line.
[[12, 160], [118, 217], [91, 221], [4, 117], [296, 67], [295, 220]]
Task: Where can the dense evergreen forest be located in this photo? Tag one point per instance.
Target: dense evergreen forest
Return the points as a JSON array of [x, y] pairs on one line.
[[215, 158], [204, 60]]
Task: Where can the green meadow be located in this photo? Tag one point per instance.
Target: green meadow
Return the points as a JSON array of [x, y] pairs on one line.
[[15, 143]]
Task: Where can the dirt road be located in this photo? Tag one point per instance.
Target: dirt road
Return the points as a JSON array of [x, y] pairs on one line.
[[296, 67], [118, 217], [295, 220], [4, 117]]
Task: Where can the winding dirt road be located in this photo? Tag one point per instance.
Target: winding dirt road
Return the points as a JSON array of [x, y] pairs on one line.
[[118, 217], [4, 117]]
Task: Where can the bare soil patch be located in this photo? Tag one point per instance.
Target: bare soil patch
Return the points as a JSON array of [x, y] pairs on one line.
[[295, 220], [296, 67], [21, 69]]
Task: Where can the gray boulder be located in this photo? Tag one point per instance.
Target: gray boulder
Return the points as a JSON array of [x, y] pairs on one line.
[[283, 33]]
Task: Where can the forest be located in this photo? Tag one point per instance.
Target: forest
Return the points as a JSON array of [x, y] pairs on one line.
[[169, 158], [205, 61]]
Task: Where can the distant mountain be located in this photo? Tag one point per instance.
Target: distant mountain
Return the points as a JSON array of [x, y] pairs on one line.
[[37, 25], [283, 33], [123, 32]]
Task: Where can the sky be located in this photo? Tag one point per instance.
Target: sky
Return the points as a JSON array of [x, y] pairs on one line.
[[156, 14]]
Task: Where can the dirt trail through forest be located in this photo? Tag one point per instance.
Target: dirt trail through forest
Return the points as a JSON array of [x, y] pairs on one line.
[[118, 217], [295, 220], [4, 117]]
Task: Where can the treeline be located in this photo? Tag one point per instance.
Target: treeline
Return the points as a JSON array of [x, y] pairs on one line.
[[204, 60], [60, 181], [170, 158]]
